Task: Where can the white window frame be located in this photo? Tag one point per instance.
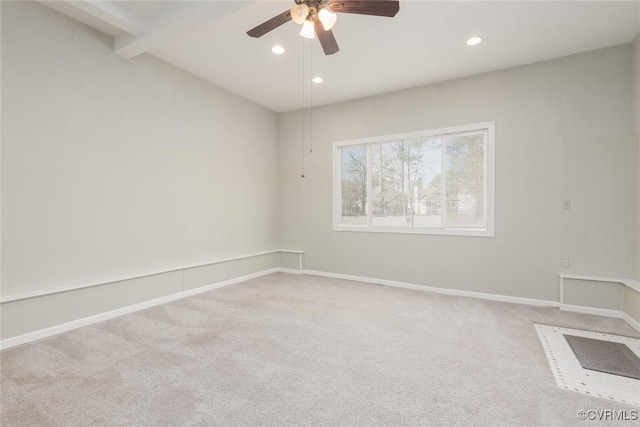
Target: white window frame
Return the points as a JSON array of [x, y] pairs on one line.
[[489, 183]]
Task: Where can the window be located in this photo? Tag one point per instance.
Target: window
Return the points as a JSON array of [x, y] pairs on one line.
[[431, 182]]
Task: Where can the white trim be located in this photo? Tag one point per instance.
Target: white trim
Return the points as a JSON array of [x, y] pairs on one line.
[[489, 183], [289, 271], [591, 278], [418, 134], [631, 321], [630, 283], [591, 310], [58, 290], [75, 324], [57, 329], [490, 206], [468, 232], [479, 295], [445, 291], [369, 204], [443, 182]]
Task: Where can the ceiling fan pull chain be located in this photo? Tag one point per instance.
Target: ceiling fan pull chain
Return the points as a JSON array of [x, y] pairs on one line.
[[311, 105], [304, 49]]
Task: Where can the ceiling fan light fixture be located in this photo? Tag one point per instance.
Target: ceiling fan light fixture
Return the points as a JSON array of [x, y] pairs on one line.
[[327, 18], [308, 32], [299, 13], [318, 22]]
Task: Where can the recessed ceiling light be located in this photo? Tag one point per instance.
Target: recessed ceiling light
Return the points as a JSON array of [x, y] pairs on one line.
[[475, 40], [277, 49], [317, 80]]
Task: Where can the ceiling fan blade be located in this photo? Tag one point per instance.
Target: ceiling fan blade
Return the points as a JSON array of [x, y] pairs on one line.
[[366, 7], [327, 40], [271, 24]]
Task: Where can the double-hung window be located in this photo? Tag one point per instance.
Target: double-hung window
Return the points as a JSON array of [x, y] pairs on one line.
[[437, 181]]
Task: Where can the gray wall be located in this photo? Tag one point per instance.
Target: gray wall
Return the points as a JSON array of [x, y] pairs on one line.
[[632, 304], [631, 297], [113, 168], [563, 131], [636, 132]]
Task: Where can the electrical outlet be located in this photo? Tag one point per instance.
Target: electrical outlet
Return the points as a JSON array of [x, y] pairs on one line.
[[566, 263], [566, 204]]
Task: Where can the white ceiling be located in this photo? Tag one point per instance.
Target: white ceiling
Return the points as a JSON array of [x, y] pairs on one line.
[[424, 43]]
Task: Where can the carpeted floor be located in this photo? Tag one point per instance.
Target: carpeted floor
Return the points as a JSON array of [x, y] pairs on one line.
[[301, 351]]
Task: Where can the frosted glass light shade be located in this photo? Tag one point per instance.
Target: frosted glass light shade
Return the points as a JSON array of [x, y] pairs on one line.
[[475, 40], [308, 32], [327, 18], [299, 13]]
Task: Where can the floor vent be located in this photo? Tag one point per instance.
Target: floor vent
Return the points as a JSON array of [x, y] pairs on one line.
[[593, 363], [605, 356]]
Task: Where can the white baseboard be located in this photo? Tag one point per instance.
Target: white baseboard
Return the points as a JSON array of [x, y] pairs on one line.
[[75, 324], [602, 312], [591, 310], [445, 291], [47, 332], [289, 270], [77, 287], [492, 297], [631, 321]]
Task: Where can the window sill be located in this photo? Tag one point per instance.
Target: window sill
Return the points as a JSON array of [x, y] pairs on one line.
[[466, 232]]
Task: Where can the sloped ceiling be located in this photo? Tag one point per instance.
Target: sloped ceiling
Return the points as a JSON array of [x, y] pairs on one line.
[[424, 43]]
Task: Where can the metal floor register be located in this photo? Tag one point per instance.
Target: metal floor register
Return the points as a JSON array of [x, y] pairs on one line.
[[605, 356]]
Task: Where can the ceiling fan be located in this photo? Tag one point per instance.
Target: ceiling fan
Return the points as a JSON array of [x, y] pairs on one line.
[[318, 17]]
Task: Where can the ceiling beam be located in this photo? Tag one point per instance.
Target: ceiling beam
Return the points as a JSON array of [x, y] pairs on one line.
[[107, 12], [176, 21]]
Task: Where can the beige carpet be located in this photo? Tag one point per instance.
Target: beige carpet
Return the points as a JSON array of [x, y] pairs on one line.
[[301, 350]]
